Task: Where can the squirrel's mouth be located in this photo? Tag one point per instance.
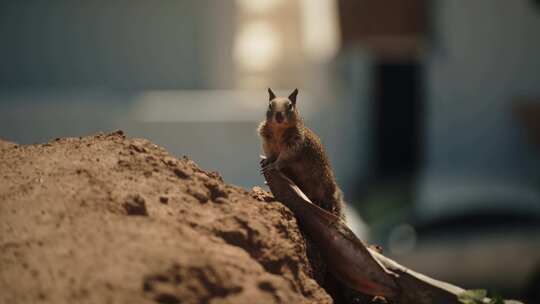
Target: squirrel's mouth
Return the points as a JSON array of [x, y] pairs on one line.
[[279, 117]]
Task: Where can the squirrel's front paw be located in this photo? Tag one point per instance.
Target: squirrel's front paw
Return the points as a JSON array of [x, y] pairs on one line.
[[269, 167], [264, 162]]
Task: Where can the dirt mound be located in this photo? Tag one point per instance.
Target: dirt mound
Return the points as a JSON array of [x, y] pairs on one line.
[[105, 219]]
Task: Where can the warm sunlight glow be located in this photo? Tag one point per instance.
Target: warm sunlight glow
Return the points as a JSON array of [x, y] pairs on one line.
[[257, 46], [320, 29], [258, 6]]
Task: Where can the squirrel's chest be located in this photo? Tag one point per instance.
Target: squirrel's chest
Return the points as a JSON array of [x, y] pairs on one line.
[[276, 142]]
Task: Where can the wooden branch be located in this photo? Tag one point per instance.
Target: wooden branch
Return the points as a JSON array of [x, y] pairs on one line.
[[360, 268]]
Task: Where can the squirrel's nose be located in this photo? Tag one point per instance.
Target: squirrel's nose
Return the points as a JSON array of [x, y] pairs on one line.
[[279, 117]]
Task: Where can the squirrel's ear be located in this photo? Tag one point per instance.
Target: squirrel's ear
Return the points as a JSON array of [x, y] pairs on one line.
[[272, 95], [292, 97]]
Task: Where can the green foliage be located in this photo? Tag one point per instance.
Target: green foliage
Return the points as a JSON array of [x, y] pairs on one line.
[[477, 296], [496, 299], [474, 296]]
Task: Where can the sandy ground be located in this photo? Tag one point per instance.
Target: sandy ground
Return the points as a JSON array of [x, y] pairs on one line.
[[105, 219]]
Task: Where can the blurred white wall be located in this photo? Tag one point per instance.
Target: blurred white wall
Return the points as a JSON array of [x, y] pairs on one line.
[[115, 44]]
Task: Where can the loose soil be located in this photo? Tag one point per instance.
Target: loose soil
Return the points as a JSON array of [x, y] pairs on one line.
[[105, 219]]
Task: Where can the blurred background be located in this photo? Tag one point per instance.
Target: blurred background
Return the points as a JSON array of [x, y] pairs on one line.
[[429, 110]]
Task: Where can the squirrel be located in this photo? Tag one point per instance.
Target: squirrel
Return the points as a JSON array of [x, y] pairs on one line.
[[296, 151]]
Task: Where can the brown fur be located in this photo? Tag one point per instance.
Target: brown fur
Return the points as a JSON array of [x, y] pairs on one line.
[[302, 158], [296, 151]]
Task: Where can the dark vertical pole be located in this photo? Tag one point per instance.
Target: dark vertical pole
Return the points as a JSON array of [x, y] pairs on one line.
[[398, 120]]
